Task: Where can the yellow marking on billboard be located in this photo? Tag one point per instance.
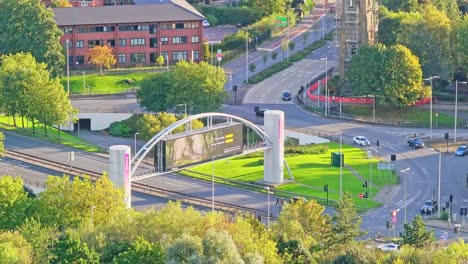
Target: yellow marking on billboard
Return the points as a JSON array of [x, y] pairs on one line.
[[229, 140], [229, 136]]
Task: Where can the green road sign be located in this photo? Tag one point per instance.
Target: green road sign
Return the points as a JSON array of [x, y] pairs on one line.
[[282, 21]]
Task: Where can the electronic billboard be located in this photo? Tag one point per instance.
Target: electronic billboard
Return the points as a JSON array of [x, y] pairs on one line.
[[200, 147]]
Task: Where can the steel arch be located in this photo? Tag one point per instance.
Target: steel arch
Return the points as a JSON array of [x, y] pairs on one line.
[[141, 154]]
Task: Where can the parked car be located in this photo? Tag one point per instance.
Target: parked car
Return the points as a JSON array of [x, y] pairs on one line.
[[360, 140], [205, 23], [429, 207], [389, 247], [461, 151], [286, 96], [415, 143]]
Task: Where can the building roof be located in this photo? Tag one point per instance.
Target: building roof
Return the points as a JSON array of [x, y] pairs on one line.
[[158, 11]]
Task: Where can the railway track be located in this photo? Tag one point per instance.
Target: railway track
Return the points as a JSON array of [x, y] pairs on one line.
[[136, 186]]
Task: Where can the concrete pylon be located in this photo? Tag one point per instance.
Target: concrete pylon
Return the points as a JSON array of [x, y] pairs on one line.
[[274, 157], [119, 169]]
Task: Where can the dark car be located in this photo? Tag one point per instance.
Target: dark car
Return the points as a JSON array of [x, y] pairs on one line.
[[461, 151], [415, 143], [240, 25], [429, 207], [287, 96]]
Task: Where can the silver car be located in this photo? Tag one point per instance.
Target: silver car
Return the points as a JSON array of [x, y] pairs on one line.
[[360, 140]]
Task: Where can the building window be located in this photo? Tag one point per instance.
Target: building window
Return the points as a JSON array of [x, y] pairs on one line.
[[134, 28], [164, 40], [70, 44], [122, 42], [67, 30], [177, 25], [179, 40], [165, 26], [94, 43], [165, 55], [122, 58], [195, 39], [179, 55], [153, 57], [137, 42], [137, 58], [153, 29], [111, 42], [79, 44], [70, 60], [196, 55], [153, 42], [79, 60]]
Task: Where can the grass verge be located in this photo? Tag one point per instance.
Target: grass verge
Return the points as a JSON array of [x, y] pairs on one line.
[[53, 134], [311, 173]]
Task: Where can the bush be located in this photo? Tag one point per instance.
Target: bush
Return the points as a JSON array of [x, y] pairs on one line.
[[443, 96], [444, 216], [306, 150], [229, 15], [120, 129]]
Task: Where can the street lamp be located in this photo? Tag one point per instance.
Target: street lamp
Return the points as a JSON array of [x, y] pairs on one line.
[[212, 184], [268, 206], [326, 85], [84, 82], [135, 149], [406, 176], [247, 56], [430, 117], [68, 70], [185, 108], [437, 120], [456, 111]]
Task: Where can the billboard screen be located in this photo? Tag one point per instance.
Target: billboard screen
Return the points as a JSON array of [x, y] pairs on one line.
[[197, 148]]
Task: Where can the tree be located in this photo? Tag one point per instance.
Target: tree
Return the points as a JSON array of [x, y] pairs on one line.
[[101, 57], [141, 251], [304, 224], [274, 55], [291, 46], [41, 239], [60, 3], [70, 249], [416, 233], [461, 35], [252, 67], [201, 86], [14, 248], [2, 145], [218, 247], [266, 7], [206, 55], [401, 5], [264, 58], [160, 61], [14, 203], [392, 74], [184, 250], [28, 26], [284, 46], [346, 222]]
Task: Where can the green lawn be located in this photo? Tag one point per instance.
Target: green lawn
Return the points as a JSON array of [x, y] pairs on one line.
[[311, 173], [106, 84], [52, 135]]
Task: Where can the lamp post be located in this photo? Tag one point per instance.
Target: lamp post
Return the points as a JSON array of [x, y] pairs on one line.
[[212, 184], [68, 70], [437, 120], [326, 85], [430, 106], [373, 109], [135, 146], [268, 207], [406, 176], [247, 56], [440, 172], [456, 111], [84, 82]]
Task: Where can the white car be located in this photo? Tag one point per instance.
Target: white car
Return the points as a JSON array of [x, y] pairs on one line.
[[205, 23], [389, 247], [360, 140]]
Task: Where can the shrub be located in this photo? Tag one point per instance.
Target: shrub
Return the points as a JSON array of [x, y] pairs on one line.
[[305, 150], [120, 129]]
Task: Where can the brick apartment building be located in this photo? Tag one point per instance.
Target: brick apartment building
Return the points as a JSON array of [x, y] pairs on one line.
[[138, 34]]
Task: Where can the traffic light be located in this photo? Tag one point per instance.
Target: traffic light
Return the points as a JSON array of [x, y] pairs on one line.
[[447, 204], [325, 188], [377, 143], [451, 198], [365, 184], [365, 195], [388, 224], [392, 225], [446, 136], [393, 157], [234, 88]]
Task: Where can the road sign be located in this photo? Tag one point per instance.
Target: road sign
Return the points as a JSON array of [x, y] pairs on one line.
[[360, 195], [282, 21], [394, 219], [219, 55], [382, 165]]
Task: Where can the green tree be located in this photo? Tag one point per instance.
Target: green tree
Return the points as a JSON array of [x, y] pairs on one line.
[[346, 222], [264, 58], [201, 86], [252, 67], [456, 252], [206, 55], [416, 233], [305, 223], [461, 36], [41, 239], [141, 251], [284, 47], [70, 249], [160, 61], [401, 5], [14, 203], [392, 74], [218, 247], [266, 7], [2, 145], [60, 3], [274, 55], [28, 26], [101, 57], [291, 46], [14, 249], [186, 249]]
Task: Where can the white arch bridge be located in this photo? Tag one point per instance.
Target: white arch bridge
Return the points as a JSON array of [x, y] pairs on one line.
[[153, 158]]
